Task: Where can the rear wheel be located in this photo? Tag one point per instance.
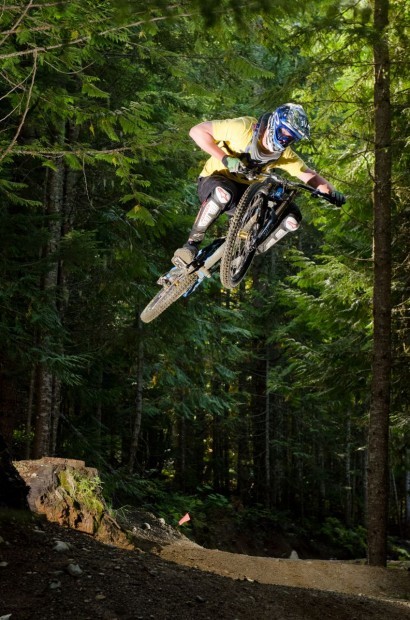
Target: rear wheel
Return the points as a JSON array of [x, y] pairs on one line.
[[240, 240], [167, 295]]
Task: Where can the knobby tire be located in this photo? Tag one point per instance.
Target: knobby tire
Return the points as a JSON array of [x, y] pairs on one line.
[[166, 296], [247, 206]]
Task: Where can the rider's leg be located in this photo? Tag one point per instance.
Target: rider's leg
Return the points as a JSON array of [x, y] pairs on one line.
[[218, 194], [290, 222]]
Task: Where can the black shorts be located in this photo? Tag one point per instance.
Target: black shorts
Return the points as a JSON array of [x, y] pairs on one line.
[[206, 185]]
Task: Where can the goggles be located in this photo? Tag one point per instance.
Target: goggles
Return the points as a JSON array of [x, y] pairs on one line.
[[285, 137]]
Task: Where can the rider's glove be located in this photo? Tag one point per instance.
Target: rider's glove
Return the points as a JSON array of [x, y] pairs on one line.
[[337, 198], [232, 163]]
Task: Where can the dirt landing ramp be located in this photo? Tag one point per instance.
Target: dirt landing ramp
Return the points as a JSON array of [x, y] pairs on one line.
[[334, 576]]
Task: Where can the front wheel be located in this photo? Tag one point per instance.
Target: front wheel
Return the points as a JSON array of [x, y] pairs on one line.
[[167, 295], [240, 241]]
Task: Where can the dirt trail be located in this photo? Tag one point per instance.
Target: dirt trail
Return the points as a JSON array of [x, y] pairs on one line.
[[36, 583], [143, 569], [331, 576]]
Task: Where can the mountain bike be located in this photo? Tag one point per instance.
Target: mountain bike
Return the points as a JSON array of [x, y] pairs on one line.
[[265, 213]]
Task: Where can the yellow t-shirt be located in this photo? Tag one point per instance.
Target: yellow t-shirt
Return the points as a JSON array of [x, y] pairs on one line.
[[234, 136]]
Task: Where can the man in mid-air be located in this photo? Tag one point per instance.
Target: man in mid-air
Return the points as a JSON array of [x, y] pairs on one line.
[[265, 142]]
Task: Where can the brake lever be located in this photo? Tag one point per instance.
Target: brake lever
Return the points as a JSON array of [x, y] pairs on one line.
[[249, 173]]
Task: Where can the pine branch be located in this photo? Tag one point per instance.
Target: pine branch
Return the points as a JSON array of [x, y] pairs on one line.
[[79, 152], [23, 118], [18, 22], [34, 6], [15, 86], [86, 38]]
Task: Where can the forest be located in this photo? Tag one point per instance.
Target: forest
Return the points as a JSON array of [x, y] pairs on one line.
[[287, 397]]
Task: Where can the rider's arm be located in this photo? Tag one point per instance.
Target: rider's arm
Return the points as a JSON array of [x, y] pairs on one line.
[[314, 179], [202, 134]]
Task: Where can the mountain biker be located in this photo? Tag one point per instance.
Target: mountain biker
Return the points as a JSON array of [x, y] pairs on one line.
[[266, 142]]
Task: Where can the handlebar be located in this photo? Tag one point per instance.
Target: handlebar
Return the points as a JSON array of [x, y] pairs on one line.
[[256, 173]]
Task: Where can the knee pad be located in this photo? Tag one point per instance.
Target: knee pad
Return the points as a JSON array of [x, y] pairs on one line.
[[222, 196], [213, 206]]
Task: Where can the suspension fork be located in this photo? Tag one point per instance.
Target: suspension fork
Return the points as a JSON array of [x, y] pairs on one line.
[[275, 216]]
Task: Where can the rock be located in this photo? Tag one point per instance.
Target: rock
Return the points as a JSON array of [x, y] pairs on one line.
[[294, 555], [6, 617], [162, 522], [146, 526], [3, 564], [199, 599], [74, 570], [69, 493], [61, 546], [55, 584]]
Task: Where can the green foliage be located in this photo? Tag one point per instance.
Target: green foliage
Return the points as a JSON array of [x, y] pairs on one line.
[[339, 536], [259, 516], [83, 489], [398, 551], [122, 489], [98, 188]]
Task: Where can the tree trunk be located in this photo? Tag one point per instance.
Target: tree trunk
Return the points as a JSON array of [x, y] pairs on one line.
[[377, 506], [8, 400], [268, 492], [42, 430], [46, 383], [407, 491], [180, 453], [217, 453], [260, 400], [137, 417], [55, 413], [244, 465], [29, 417], [98, 420], [348, 481], [258, 412]]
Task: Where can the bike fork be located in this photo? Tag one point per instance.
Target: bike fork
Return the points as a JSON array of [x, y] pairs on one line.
[[288, 224]]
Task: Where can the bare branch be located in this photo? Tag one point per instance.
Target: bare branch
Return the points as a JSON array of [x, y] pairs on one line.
[[23, 118], [18, 22], [33, 6], [10, 113], [17, 30], [53, 153], [82, 70], [15, 86]]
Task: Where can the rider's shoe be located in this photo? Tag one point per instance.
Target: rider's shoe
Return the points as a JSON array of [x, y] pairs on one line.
[[187, 253]]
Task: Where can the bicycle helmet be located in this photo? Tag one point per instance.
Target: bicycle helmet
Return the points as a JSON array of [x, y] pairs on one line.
[[293, 119]]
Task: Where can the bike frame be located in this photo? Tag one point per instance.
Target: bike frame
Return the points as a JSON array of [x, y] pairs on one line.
[[279, 195], [252, 230]]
